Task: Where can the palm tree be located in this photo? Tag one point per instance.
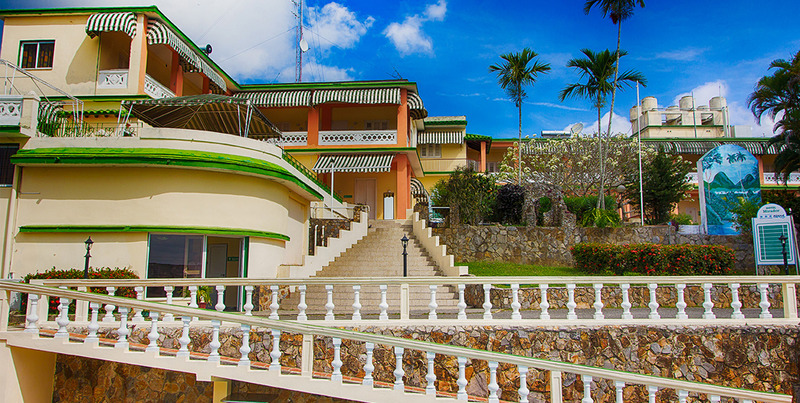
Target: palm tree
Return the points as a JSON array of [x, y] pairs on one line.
[[618, 11], [513, 74], [597, 68], [777, 95]]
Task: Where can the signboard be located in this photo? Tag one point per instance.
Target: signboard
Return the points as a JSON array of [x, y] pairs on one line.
[[728, 175], [769, 225]]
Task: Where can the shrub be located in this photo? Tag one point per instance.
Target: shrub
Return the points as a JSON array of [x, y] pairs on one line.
[[581, 206], [471, 193], [653, 259], [508, 207], [601, 218], [102, 273], [681, 219]]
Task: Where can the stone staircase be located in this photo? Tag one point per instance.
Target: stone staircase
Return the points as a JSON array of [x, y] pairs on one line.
[[377, 255]]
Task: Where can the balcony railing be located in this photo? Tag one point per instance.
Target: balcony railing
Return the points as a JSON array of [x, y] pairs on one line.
[[691, 177], [156, 89], [772, 178], [65, 127], [289, 139], [10, 110], [112, 79], [448, 164], [357, 137]]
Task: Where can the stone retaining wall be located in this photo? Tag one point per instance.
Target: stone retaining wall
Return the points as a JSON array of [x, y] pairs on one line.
[[549, 246], [762, 358]]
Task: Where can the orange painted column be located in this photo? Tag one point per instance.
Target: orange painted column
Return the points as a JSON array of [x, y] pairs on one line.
[[313, 127], [403, 186], [176, 76], [483, 156], [141, 27], [402, 120], [206, 85], [760, 160]]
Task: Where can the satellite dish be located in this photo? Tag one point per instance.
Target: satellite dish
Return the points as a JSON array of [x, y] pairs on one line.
[[208, 49], [303, 45], [576, 129]]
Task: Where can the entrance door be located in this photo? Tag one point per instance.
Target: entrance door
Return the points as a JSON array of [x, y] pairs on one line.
[[366, 192], [220, 265]]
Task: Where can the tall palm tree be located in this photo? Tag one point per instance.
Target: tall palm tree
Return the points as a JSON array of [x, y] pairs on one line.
[[618, 11], [597, 68], [513, 74], [778, 95]]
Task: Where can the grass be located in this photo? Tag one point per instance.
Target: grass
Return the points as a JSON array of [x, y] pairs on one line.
[[488, 269]]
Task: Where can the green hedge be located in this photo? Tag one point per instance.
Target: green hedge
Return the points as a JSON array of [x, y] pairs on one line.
[[103, 273], [653, 259]]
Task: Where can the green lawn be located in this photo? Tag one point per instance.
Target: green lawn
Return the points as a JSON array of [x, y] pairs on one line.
[[486, 269]]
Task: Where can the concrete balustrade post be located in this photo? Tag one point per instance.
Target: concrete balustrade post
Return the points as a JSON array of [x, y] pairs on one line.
[[735, 303], [329, 305], [626, 301], [336, 364], [462, 305], [487, 301], [109, 316], [571, 305], [248, 300], [653, 301], [493, 386], [681, 304], [213, 356], [462, 379], [404, 302], [523, 384], [220, 306], [153, 335], [123, 331], [184, 341], [169, 317], [137, 317], [619, 388], [587, 389], [275, 354], [93, 325], [383, 305], [556, 387], [764, 304], [398, 369], [598, 302], [432, 305], [515, 305], [82, 307], [430, 377], [356, 302], [708, 305], [544, 305], [651, 394], [368, 365], [244, 350], [302, 306], [274, 305]]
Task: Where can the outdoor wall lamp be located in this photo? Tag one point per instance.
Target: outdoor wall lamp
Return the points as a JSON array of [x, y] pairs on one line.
[[404, 240], [88, 243], [783, 238]]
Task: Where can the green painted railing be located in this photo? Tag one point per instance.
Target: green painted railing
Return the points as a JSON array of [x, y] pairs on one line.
[[309, 174]]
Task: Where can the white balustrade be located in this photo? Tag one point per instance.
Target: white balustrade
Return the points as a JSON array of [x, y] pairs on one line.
[[274, 305], [244, 350], [356, 302], [598, 302], [544, 305], [523, 383], [213, 356], [275, 354], [383, 306], [587, 389], [432, 305], [430, 377], [155, 89], [168, 289], [184, 340], [462, 379], [336, 364], [571, 305], [137, 317], [462, 305], [708, 305], [651, 394], [112, 79], [764, 304], [681, 304], [10, 110], [109, 316], [329, 305], [626, 302], [220, 306], [487, 301], [153, 335], [398, 369], [63, 318], [123, 331], [493, 386], [248, 300], [653, 302], [302, 306], [93, 326], [619, 388], [736, 305], [350, 137], [368, 365], [515, 305]]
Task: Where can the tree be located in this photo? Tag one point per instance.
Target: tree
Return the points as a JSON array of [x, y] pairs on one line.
[[469, 192], [664, 185], [596, 69], [618, 11], [778, 95], [514, 73]]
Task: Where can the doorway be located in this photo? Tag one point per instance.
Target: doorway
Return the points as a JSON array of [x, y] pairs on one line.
[[366, 192], [223, 259]]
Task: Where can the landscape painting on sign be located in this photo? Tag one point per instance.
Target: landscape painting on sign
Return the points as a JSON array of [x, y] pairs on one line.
[[728, 176]]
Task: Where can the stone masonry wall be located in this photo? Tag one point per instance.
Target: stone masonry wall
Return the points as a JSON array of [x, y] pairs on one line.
[[550, 245], [763, 358]]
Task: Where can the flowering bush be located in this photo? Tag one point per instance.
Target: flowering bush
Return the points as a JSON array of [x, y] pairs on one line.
[[653, 259], [102, 273]]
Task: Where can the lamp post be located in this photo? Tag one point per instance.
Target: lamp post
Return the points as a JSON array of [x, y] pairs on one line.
[[404, 240], [88, 243], [783, 238]]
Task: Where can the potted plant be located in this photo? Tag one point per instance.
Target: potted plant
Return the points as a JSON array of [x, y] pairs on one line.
[[203, 296]]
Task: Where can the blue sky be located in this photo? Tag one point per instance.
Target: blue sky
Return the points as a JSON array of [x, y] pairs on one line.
[[446, 46]]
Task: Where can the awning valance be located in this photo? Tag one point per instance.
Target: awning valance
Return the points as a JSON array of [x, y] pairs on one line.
[[108, 22], [268, 99], [425, 137], [416, 107], [354, 163], [159, 33], [702, 147], [208, 112], [369, 96]]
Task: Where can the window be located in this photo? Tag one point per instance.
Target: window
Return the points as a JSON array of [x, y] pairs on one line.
[[492, 166], [6, 167], [174, 256], [430, 150], [376, 125], [37, 55]]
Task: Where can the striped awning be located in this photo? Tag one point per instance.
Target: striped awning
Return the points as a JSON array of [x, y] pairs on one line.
[[159, 33], [702, 147], [416, 107], [354, 163], [358, 96], [269, 99], [108, 22], [425, 137]]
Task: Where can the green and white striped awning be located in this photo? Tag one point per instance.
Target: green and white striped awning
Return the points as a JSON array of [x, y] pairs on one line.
[[269, 99], [757, 147], [360, 163], [424, 137], [416, 107], [358, 96], [159, 33], [108, 22]]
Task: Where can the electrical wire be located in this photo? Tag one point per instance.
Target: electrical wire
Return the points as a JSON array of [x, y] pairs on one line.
[[257, 45]]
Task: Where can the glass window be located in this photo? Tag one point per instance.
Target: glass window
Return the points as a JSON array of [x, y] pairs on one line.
[[37, 55], [174, 256], [430, 150]]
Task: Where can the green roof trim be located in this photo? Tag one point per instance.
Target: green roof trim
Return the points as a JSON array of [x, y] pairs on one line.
[[145, 228], [470, 136], [329, 85], [447, 123], [157, 156]]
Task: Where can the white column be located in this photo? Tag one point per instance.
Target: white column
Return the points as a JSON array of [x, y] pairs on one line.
[[275, 354], [619, 387], [735, 303], [493, 386], [544, 305], [302, 306], [764, 304], [93, 325], [244, 350], [137, 317], [462, 379], [63, 318], [653, 301], [109, 316], [368, 365], [123, 331], [398, 369], [708, 305], [32, 318], [571, 305], [681, 304], [220, 306], [336, 376], [487, 301], [384, 306], [215, 344], [248, 300], [153, 335], [432, 305], [430, 377], [626, 301], [523, 384], [274, 305], [651, 394], [598, 302], [515, 305], [168, 289], [462, 305], [356, 302], [184, 341], [587, 389], [329, 305]]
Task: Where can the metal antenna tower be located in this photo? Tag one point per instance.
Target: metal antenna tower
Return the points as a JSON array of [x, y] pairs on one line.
[[298, 65]]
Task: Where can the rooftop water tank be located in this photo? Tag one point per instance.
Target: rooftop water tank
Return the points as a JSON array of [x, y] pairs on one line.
[[687, 102], [718, 103]]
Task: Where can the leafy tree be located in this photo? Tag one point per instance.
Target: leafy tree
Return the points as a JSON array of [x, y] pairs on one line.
[[596, 69], [515, 73], [618, 11], [664, 185], [509, 203], [471, 193], [574, 164], [778, 96]]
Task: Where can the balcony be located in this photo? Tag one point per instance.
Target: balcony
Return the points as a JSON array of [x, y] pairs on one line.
[[772, 178], [447, 164], [10, 110], [112, 79], [357, 137], [155, 89]]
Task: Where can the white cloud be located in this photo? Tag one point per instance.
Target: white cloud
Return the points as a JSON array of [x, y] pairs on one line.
[[558, 106], [408, 37], [681, 55], [618, 125], [337, 25]]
